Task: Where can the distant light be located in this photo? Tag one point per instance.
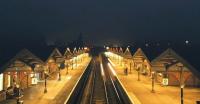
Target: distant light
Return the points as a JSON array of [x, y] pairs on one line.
[[187, 41], [146, 44]]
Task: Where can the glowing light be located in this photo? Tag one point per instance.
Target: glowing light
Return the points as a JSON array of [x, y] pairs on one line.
[[50, 61], [69, 77], [160, 74], [85, 48], [107, 48], [187, 41], [112, 70], [102, 72]]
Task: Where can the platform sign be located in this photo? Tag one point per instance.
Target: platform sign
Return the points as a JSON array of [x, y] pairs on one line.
[[34, 81], [165, 81]]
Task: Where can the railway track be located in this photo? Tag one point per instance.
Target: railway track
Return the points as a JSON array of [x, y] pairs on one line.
[[112, 92], [100, 86], [98, 94]]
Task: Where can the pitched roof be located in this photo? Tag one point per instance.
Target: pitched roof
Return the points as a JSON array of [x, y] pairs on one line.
[[140, 54], [24, 56], [55, 54], [6, 55], [170, 57], [68, 54], [14, 64], [120, 51], [127, 53], [75, 51]]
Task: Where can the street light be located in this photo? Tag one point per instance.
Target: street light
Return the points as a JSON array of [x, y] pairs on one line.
[[59, 75], [76, 60], [72, 60], [17, 90], [182, 87], [130, 66], [138, 70], [67, 67], [45, 81], [153, 81]]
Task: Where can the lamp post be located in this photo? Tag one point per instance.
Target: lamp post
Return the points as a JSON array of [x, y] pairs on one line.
[[118, 59], [182, 87], [138, 70], [76, 59], [181, 83], [153, 81], [59, 75], [130, 66], [72, 63], [67, 68], [45, 81], [17, 90]]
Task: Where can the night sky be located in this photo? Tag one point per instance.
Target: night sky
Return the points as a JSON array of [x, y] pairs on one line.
[[100, 21]]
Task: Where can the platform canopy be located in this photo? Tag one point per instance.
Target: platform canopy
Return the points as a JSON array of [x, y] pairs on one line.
[[140, 55], [68, 54], [127, 54], [23, 59], [120, 52], [75, 52], [56, 56], [170, 58]]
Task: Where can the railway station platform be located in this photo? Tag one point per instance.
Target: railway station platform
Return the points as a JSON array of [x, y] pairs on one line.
[[140, 91], [58, 91]]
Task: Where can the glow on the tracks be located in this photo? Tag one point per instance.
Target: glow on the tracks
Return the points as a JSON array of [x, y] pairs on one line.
[[102, 71]]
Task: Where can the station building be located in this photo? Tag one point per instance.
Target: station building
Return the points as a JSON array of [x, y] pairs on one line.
[[174, 70], [25, 69]]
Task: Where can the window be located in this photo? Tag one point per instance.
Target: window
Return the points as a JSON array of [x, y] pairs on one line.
[[8, 81], [1, 82]]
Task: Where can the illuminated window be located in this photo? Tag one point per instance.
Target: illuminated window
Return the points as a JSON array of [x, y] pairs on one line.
[[8, 81], [32, 75], [1, 82]]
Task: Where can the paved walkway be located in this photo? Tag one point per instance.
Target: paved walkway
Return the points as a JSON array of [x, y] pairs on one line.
[[58, 91], [141, 90]]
